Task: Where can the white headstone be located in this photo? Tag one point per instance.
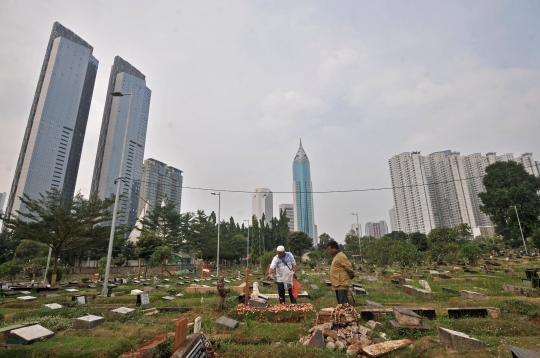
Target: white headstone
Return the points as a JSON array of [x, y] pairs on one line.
[[123, 310], [136, 292], [197, 325], [32, 333], [26, 298], [145, 299]]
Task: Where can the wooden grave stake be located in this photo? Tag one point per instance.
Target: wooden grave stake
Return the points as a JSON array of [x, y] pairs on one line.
[[180, 333]]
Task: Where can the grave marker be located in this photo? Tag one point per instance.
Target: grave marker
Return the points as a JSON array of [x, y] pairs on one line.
[[518, 352], [180, 333], [317, 340], [26, 298], [51, 307], [123, 310], [81, 299], [225, 323], [458, 341], [28, 335], [143, 299], [197, 325], [88, 322], [471, 295]]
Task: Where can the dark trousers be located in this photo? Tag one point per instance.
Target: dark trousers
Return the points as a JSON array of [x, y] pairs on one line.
[[342, 296], [281, 293]]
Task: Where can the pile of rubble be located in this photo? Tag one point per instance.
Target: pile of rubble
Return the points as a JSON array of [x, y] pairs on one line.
[[338, 329]]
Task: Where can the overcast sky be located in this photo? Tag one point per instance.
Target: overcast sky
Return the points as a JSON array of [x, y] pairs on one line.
[[236, 84]]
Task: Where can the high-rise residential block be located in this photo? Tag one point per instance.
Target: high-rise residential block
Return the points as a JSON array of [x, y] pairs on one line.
[[289, 213], [3, 197], [262, 202], [441, 189], [376, 229], [393, 219], [357, 228], [304, 215], [52, 143], [160, 183], [126, 79]]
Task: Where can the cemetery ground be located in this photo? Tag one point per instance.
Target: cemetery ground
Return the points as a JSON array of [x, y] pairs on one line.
[[269, 334]]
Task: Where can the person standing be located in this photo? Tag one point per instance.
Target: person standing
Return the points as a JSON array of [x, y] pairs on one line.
[[341, 273], [285, 267]]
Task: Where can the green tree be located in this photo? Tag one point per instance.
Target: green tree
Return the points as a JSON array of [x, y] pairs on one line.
[[62, 223], [9, 240], [508, 184], [119, 260], [470, 252], [10, 269], [29, 249], [419, 240], [397, 235], [352, 243], [299, 242], [147, 244], [324, 239], [165, 222], [536, 238], [159, 257], [444, 241]]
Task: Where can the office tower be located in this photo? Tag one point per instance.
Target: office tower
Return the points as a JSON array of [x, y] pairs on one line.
[[450, 183], [289, 213], [376, 229], [160, 183], [357, 228], [262, 202], [54, 135], [126, 79], [393, 219], [304, 216]]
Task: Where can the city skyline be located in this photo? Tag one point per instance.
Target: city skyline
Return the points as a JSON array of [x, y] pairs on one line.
[[236, 84]]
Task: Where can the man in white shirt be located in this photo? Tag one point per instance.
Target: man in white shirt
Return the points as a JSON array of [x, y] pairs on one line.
[[285, 266]]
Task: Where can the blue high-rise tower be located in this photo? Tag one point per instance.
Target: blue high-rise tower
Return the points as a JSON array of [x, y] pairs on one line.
[[304, 216]]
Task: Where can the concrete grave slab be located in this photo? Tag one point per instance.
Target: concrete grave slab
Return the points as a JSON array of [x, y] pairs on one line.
[[475, 296], [521, 291], [372, 304], [407, 317], [458, 341], [518, 352], [28, 335], [150, 311], [194, 345], [423, 326], [375, 313], [380, 349], [359, 291], [227, 324], [122, 310], [466, 312], [88, 322], [26, 298], [314, 287], [428, 313], [51, 307], [71, 290], [167, 298]]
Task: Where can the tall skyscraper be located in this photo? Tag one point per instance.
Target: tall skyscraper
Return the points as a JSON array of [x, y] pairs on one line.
[[262, 202], [303, 196], [289, 212], [441, 189], [54, 136], [376, 229], [126, 79], [160, 182], [357, 228]]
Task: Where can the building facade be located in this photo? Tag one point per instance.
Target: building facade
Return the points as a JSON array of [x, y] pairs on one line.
[[357, 228], [304, 215], [289, 213], [262, 202], [376, 229], [393, 219], [160, 183], [52, 143], [126, 79], [3, 198], [442, 189]]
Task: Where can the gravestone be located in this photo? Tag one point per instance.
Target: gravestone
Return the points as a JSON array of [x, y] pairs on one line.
[[328, 283], [359, 291], [380, 349], [88, 322], [317, 340], [180, 333], [123, 311], [136, 292], [71, 290], [26, 298], [258, 302], [81, 299], [314, 287], [197, 325], [143, 299], [425, 285], [51, 307], [28, 335], [227, 324], [458, 341], [196, 345], [407, 317], [167, 298], [471, 295], [372, 304], [149, 289]]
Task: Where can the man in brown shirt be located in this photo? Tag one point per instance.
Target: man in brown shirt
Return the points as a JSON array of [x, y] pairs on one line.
[[341, 273]]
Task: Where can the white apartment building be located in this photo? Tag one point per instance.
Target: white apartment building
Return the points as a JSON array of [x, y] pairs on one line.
[[357, 228], [376, 229], [393, 219], [262, 202], [450, 184], [289, 213]]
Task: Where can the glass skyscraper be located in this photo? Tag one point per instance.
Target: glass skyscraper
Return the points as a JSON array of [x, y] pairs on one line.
[[303, 196], [52, 143], [123, 78]]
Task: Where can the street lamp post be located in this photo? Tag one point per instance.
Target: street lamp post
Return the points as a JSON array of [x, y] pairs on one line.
[[358, 232], [117, 181], [218, 225], [523, 237], [247, 247]]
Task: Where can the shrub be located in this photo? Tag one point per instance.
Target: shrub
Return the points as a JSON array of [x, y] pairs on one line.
[[59, 273]]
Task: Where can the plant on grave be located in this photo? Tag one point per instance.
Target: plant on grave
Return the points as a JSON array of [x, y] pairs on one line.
[[55, 323]]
